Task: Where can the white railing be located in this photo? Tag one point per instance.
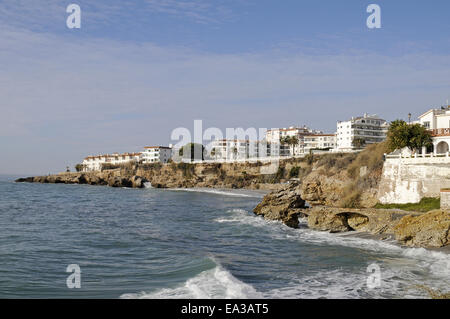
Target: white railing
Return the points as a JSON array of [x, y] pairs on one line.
[[429, 155]]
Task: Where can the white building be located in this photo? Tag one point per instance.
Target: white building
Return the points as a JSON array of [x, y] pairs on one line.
[[94, 163], [318, 142], [438, 122], [276, 134], [224, 149], [369, 128], [156, 154]]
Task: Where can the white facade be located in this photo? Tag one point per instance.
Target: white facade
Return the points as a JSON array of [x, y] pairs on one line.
[[233, 149], [94, 163], [276, 134], [156, 154], [370, 128], [438, 122], [318, 142]]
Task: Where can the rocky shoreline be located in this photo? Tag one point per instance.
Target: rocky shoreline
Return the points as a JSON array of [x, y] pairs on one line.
[[427, 230], [327, 183], [89, 179]]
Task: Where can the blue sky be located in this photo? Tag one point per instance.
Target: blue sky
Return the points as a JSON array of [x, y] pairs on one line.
[[136, 70]]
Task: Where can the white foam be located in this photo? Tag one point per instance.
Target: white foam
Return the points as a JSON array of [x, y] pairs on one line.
[[435, 263], [148, 185], [216, 283], [402, 270]]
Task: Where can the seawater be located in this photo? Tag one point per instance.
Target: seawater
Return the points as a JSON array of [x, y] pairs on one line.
[[195, 243]]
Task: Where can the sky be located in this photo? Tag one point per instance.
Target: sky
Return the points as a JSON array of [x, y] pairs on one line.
[[137, 70]]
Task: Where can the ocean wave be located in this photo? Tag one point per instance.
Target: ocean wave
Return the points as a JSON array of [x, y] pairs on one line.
[[437, 263], [216, 283]]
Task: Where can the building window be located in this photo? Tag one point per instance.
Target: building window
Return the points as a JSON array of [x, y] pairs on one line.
[[426, 124]]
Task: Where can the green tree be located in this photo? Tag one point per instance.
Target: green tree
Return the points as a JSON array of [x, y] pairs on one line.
[[192, 151], [412, 136], [80, 167]]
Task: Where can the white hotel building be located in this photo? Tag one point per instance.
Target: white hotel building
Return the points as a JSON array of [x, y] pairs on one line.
[[438, 122], [94, 163], [156, 154], [370, 128]]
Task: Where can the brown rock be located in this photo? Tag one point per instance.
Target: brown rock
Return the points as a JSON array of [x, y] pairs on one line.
[[428, 230], [283, 205]]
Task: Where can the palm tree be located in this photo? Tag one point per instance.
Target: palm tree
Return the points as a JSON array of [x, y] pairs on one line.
[[293, 141]]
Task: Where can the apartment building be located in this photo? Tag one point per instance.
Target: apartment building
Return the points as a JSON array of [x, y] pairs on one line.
[[225, 149], [317, 142], [156, 154], [367, 128]]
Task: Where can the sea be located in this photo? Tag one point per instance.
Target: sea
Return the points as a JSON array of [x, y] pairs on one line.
[[187, 244]]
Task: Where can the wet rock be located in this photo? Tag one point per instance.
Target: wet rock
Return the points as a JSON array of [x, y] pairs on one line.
[[25, 180], [283, 205]]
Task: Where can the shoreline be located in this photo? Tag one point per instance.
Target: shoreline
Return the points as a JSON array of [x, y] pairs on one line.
[[284, 202]]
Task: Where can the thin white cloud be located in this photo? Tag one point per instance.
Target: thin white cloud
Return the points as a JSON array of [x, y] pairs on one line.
[[201, 11], [64, 98]]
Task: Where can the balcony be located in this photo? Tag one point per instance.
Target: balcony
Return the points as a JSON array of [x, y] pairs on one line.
[[440, 132]]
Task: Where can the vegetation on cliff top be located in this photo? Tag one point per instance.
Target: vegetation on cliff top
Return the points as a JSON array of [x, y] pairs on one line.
[[425, 205], [412, 136]]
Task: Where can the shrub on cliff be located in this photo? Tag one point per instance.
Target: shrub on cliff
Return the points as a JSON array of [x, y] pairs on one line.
[[371, 157], [293, 173], [365, 172]]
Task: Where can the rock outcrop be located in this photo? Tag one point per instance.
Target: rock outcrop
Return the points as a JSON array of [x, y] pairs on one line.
[[336, 220], [428, 230], [412, 229], [283, 205], [109, 178]]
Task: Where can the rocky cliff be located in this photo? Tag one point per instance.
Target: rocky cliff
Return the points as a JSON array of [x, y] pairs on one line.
[[431, 229], [255, 175], [342, 191]]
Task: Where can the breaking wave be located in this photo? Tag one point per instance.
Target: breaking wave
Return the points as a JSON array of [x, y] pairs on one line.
[[216, 283]]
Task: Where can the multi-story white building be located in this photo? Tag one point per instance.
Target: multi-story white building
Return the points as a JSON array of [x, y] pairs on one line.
[[370, 128], [318, 142], [224, 149], [94, 163], [156, 154], [275, 136], [438, 122]]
